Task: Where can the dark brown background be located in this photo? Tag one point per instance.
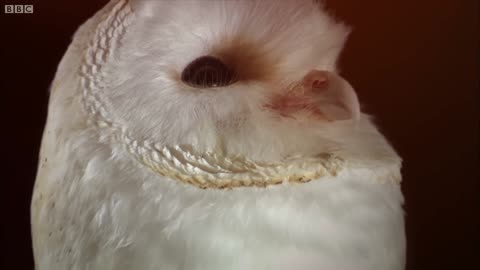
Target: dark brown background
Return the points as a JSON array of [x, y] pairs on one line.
[[413, 63]]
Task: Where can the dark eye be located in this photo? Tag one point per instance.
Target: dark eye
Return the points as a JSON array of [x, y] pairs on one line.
[[207, 72]]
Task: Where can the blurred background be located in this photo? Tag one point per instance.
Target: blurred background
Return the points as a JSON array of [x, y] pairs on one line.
[[414, 64]]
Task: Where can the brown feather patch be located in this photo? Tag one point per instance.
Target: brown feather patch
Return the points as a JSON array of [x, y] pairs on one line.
[[249, 60]]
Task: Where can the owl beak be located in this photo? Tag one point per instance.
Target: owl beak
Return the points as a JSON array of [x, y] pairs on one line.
[[323, 94]]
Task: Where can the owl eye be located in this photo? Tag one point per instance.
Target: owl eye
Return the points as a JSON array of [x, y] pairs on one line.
[[208, 72]]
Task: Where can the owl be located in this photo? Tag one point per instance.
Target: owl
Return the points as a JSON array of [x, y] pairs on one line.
[[208, 135]]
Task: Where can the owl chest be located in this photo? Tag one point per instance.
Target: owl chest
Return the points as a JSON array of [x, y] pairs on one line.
[[117, 222]]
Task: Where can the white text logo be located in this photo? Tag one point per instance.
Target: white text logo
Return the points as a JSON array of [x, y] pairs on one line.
[[15, 9]]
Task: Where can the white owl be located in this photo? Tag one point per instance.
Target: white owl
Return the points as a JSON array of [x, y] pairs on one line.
[[212, 135]]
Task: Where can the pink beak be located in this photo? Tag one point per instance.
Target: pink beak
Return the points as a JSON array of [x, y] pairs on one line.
[[324, 94]]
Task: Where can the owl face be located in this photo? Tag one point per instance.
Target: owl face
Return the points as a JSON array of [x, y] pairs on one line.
[[206, 73]]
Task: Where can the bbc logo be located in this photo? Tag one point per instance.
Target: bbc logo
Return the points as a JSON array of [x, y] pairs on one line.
[[18, 9]]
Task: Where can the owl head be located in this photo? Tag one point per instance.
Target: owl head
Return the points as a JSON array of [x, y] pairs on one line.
[[255, 78]]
